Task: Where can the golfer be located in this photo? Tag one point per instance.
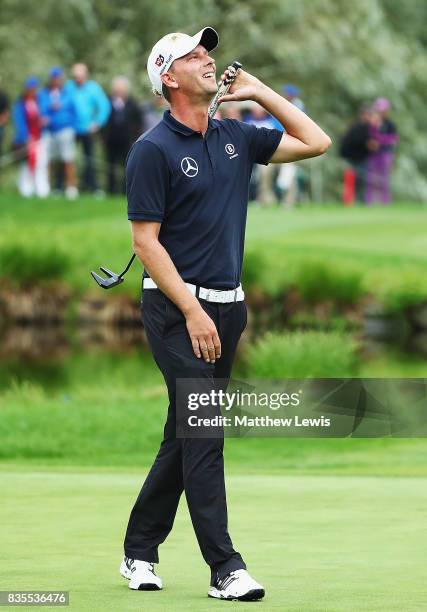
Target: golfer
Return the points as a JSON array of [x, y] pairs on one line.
[[187, 188]]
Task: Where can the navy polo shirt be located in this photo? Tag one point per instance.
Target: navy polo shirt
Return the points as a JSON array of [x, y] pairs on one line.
[[197, 187]]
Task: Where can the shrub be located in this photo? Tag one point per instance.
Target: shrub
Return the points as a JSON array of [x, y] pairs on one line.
[[323, 281], [399, 291], [24, 265], [303, 354], [266, 269], [254, 265]]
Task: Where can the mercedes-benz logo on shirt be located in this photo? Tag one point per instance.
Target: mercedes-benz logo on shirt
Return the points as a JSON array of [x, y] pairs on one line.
[[189, 166]]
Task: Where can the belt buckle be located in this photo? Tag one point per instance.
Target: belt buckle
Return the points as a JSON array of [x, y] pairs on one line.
[[214, 293]]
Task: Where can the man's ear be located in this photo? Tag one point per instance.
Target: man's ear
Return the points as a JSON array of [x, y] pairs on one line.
[[168, 79]]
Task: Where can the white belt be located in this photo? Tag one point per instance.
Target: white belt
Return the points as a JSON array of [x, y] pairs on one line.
[[210, 295]]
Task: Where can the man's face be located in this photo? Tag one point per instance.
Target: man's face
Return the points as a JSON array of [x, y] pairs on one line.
[[195, 74], [31, 92], [56, 82], [79, 73], [120, 88]]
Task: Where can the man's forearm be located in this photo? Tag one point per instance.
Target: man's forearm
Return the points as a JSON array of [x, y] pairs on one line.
[[295, 122], [157, 262]]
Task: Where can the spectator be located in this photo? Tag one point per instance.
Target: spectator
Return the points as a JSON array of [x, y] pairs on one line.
[[59, 118], [262, 175], [291, 92], [4, 116], [152, 112], [382, 142], [288, 176], [121, 130], [92, 109], [354, 148], [230, 110], [30, 142]]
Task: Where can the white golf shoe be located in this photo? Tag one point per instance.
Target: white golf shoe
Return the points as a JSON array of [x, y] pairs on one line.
[[237, 585], [140, 574]]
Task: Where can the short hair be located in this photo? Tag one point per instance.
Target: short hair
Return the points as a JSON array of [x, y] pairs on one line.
[[165, 89], [166, 93]]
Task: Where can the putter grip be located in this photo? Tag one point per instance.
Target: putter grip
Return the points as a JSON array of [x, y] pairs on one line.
[[224, 87]]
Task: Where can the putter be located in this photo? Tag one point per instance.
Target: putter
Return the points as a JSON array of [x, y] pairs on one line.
[[114, 279], [224, 87]]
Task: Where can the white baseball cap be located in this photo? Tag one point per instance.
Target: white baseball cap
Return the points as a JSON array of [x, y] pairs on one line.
[[173, 46]]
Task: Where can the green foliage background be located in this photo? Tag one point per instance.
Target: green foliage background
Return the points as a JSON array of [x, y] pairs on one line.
[[342, 53]]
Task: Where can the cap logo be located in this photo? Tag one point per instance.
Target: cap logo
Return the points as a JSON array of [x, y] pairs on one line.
[[167, 63], [159, 61]]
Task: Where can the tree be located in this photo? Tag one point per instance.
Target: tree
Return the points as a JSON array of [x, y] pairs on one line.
[[341, 54]]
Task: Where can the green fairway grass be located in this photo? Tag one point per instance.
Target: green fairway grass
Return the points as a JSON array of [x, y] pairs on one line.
[[316, 543]]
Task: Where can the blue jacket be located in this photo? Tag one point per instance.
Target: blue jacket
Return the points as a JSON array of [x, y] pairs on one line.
[[299, 104], [20, 121], [90, 103], [60, 112]]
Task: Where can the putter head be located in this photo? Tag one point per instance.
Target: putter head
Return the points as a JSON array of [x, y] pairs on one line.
[[112, 279]]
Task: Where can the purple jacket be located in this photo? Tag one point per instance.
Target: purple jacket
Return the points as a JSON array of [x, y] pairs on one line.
[[386, 134]]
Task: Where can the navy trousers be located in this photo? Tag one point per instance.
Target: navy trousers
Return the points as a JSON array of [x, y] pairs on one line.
[[89, 180], [192, 465]]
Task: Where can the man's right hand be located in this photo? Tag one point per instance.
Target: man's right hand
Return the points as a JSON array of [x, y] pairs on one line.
[[244, 87], [203, 334]]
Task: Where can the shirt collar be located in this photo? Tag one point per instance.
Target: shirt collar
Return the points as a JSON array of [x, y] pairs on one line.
[[177, 126]]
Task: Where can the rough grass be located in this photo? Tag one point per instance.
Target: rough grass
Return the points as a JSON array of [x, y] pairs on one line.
[[109, 410]]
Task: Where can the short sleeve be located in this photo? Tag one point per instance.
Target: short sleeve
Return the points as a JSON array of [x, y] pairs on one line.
[[262, 142], [147, 182]]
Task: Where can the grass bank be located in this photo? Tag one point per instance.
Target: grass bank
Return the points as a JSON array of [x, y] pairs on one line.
[[325, 252], [108, 410]]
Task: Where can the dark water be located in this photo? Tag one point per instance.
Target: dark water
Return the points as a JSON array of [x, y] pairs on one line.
[[53, 355]]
